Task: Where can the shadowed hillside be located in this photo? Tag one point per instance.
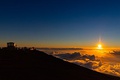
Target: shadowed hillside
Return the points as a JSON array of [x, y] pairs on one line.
[[25, 64]]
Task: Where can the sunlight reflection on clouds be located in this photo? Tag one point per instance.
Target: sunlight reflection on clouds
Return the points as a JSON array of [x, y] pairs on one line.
[[101, 61], [93, 62]]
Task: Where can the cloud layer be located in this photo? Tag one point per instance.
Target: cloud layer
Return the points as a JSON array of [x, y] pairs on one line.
[[93, 62]]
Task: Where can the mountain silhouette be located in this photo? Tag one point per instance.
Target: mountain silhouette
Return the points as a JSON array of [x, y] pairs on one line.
[[26, 64]]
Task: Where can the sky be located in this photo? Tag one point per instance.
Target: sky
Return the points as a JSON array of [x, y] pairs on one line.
[[60, 23]]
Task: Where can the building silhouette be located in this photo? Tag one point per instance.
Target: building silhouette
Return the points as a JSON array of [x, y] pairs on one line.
[[11, 44]]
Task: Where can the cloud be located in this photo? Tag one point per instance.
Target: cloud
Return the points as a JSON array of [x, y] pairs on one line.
[[108, 64], [75, 56], [115, 52], [69, 56], [88, 61], [113, 69]]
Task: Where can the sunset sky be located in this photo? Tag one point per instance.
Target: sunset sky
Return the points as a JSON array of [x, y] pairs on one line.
[[60, 23]]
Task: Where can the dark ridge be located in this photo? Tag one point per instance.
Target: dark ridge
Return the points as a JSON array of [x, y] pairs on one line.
[[26, 64]]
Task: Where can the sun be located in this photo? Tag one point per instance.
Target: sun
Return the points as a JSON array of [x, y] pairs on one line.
[[99, 46]]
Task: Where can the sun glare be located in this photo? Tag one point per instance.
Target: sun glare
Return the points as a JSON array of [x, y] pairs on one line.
[[99, 46]]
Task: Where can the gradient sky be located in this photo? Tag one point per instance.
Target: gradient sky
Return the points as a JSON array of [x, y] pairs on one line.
[[60, 23]]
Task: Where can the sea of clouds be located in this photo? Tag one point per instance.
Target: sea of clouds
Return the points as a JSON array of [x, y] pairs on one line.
[[109, 63]]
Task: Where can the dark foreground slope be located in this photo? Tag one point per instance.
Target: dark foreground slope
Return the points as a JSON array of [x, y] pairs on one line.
[[26, 64]]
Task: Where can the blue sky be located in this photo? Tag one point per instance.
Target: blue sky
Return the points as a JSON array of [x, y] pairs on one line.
[[60, 23]]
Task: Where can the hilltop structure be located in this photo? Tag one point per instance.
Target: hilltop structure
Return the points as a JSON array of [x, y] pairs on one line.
[[10, 44]]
